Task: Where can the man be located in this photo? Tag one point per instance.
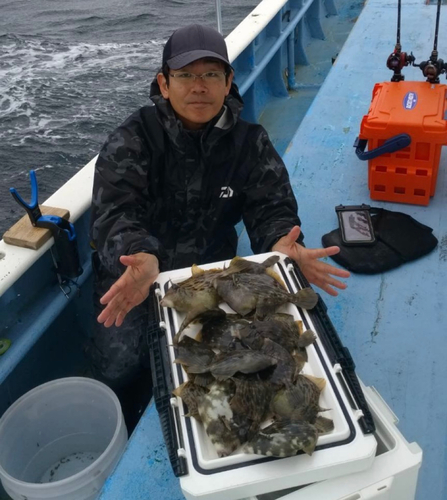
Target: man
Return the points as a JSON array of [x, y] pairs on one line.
[[170, 185]]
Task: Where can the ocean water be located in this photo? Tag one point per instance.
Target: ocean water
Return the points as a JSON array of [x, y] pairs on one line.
[[70, 72]]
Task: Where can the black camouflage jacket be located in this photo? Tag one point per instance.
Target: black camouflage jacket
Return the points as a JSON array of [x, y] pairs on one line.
[[178, 194]]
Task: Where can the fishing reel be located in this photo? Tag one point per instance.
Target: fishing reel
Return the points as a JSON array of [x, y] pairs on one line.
[[397, 60], [433, 68]]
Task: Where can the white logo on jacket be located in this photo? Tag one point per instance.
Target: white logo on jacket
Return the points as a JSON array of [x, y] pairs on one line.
[[226, 192]]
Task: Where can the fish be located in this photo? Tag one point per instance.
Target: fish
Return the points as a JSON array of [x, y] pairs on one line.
[[244, 368], [293, 329], [283, 372], [283, 330], [218, 420], [252, 400], [245, 293], [229, 363], [284, 438], [241, 265], [192, 296], [301, 339], [190, 352], [219, 329], [300, 401]]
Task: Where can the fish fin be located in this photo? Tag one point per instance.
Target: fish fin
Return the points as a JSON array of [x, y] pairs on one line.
[[307, 338], [196, 270], [319, 382], [178, 390], [324, 425], [198, 369], [191, 314], [237, 265], [324, 409], [176, 338], [305, 298], [273, 274], [309, 448], [195, 415], [271, 261]]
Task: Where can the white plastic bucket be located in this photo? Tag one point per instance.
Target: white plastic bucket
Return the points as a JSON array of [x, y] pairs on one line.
[[61, 440]]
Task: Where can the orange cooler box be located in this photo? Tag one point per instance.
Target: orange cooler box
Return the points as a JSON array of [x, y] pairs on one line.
[[405, 129]]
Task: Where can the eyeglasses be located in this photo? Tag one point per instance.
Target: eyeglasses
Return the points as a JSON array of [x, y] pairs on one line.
[[210, 77]]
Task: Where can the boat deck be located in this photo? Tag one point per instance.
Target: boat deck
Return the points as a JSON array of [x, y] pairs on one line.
[[281, 117], [393, 323]]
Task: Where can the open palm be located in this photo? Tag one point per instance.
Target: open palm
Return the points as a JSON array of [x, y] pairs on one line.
[[316, 272], [130, 290]]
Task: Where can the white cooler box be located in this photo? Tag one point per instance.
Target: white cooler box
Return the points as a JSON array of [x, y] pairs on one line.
[[351, 451]]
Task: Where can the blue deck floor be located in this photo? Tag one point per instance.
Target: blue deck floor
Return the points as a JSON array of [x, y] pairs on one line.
[[393, 323]]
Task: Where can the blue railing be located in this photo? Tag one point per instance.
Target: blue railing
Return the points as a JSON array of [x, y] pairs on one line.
[[266, 67]]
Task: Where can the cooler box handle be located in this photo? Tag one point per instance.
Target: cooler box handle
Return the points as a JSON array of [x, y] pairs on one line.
[[391, 145]]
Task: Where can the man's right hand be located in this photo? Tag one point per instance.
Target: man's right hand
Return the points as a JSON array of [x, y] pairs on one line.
[[131, 289]]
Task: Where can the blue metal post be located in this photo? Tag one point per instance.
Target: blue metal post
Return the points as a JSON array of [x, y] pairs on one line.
[[313, 19], [291, 62]]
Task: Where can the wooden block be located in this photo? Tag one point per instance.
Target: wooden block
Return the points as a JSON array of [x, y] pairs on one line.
[[24, 234]]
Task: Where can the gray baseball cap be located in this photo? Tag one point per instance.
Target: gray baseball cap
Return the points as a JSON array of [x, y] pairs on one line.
[[193, 42]]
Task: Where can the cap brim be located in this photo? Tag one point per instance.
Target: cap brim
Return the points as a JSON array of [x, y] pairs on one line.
[[186, 58]]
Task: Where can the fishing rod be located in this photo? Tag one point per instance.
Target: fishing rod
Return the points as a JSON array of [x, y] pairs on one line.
[[434, 67], [398, 59]]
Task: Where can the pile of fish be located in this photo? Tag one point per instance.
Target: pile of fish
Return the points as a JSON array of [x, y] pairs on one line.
[[244, 370]]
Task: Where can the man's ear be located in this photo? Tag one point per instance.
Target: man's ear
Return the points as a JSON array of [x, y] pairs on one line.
[[163, 84]]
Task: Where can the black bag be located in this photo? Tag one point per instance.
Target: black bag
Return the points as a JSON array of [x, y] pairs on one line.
[[399, 239]]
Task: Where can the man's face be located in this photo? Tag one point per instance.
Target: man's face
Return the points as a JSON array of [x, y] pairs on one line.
[[197, 102]]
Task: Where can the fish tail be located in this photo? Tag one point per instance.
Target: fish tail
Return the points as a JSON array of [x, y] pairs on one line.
[[305, 298], [324, 425], [310, 446], [306, 338]]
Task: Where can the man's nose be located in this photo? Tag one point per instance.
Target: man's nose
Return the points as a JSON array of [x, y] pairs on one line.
[[199, 85]]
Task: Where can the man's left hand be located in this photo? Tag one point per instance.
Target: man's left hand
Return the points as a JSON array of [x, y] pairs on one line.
[[318, 273]]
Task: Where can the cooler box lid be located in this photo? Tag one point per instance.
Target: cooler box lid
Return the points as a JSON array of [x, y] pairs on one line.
[[349, 448], [415, 108]]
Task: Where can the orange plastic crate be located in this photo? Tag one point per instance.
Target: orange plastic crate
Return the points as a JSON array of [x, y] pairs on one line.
[[418, 109]]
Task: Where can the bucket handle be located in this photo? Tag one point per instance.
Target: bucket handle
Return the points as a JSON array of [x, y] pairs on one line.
[[391, 145]]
